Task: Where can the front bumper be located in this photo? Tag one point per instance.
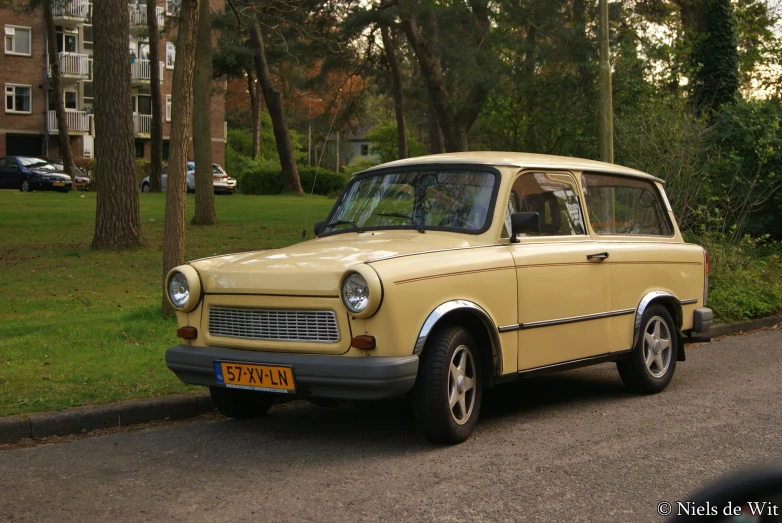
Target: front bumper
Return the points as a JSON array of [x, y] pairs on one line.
[[316, 375], [49, 185]]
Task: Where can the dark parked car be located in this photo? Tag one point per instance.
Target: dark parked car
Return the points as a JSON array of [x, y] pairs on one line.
[[32, 174], [80, 178]]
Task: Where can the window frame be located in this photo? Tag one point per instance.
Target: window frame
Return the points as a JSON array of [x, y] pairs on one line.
[[168, 107], [574, 186], [14, 52], [662, 199], [14, 111], [170, 47]]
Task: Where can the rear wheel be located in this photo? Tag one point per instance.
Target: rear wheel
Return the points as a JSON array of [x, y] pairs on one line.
[[241, 404], [448, 390], [25, 187], [650, 367], [145, 187]]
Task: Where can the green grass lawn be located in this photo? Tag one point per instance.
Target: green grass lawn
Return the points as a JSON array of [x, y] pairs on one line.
[[80, 327]]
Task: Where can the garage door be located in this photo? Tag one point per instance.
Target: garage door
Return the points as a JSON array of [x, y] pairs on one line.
[[23, 145]]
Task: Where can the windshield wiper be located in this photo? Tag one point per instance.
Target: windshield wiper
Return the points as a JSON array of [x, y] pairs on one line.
[[413, 220], [345, 222]]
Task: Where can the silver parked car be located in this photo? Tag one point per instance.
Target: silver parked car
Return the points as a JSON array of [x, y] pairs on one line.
[[223, 184]]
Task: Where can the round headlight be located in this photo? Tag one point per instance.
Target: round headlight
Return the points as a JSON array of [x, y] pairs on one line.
[[178, 290], [355, 293]]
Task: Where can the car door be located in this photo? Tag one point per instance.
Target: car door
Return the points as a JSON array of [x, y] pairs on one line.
[[562, 284], [9, 173]]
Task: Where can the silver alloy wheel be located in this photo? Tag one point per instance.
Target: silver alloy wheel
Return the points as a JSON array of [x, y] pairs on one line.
[[461, 385], [25, 186], [657, 347]]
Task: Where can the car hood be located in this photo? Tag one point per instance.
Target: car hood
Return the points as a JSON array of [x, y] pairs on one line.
[[315, 267]]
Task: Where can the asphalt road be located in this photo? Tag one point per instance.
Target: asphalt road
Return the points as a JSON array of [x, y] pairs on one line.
[[570, 447]]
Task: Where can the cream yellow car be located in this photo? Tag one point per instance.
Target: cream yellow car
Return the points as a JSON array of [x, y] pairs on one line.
[[436, 277]]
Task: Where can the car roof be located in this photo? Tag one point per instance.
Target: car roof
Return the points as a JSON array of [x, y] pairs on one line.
[[515, 159]]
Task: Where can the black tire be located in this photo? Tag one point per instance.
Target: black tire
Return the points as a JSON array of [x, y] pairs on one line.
[[25, 186], [435, 385], [650, 367], [241, 404], [145, 187]]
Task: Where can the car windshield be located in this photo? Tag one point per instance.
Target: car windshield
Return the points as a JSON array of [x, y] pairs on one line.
[[216, 169], [36, 163], [425, 199]]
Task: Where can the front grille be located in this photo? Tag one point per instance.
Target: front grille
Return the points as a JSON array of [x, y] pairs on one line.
[[271, 325]]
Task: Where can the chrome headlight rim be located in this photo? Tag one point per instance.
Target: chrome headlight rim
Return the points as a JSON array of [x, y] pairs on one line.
[[193, 288], [355, 303], [374, 287]]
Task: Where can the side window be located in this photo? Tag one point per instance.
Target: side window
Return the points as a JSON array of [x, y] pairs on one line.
[[625, 206], [555, 201]]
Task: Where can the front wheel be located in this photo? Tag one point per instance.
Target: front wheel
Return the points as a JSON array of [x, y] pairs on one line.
[[25, 187], [650, 367], [241, 404], [448, 390], [145, 187]]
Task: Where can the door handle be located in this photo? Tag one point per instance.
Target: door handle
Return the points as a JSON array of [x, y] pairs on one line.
[[599, 256]]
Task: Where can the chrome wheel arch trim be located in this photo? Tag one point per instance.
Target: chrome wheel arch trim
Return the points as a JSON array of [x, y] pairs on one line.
[[648, 300], [476, 310]]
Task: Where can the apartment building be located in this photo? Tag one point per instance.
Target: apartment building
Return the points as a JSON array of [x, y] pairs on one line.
[[28, 125]]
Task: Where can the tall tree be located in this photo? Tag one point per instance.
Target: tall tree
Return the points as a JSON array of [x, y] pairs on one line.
[[202, 121], [396, 83], [273, 97], [715, 57], [156, 134], [181, 116], [59, 105], [117, 221]]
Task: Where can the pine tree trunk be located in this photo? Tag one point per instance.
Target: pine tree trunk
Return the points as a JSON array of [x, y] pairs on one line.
[[54, 67], [156, 163], [117, 222], [202, 121], [181, 117], [290, 173], [254, 88], [396, 82]]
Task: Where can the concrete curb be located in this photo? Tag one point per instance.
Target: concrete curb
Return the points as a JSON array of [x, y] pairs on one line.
[[743, 326], [84, 419]]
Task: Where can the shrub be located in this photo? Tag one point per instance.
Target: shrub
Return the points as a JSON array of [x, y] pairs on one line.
[[358, 165], [255, 177]]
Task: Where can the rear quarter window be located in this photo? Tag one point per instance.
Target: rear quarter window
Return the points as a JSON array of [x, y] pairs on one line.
[[619, 205]]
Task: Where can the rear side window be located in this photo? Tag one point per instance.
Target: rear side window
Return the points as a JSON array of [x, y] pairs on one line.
[[625, 206]]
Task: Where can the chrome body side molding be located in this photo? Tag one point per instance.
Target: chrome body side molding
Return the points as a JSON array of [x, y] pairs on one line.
[[450, 306], [562, 321], [689, 302]]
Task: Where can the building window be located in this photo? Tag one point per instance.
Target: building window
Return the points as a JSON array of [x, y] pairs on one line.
[[170, 55], [70, 100], [364, 149], [87, 37], [172, 7], [168, 107], [17, 40], [18, 98]]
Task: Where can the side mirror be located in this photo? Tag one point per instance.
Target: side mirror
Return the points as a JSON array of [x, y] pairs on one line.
[[319, 227], [524, 223]]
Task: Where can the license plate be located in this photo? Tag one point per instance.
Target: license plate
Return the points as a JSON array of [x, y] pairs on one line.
[[268, 378], [59, 184], [81, 184]]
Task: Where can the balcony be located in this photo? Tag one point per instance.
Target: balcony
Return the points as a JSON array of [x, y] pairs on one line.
[[71, 12], [142, 125], [140, 72], [78, 121], [138, 17], [74, 66]]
